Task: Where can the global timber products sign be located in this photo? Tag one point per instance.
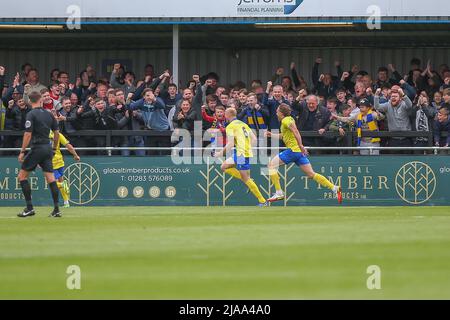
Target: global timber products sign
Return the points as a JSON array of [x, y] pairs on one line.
[[366, 181]]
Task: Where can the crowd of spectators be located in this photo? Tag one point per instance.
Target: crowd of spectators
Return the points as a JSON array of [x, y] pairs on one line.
[[339, 102]]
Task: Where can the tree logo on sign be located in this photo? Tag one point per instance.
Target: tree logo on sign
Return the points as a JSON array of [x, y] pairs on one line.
[[84, 183], [415, 182]]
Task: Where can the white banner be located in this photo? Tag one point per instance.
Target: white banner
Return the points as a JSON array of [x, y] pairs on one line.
[[223, 8]]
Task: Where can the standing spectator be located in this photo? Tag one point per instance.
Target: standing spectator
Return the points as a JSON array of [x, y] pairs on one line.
[[89, 92], [74, 99], [212, 80], [128, 120], [47, 101], [188, 94], [68, 118], [299, 82], [278, 77], [383, 77], [346, 79], [446, 83], [273, 103], [119, 111], [33, 84], [442, 125], [218, 126], [54, 75], [446, 98], [63, 78], [284, 81], [149, 71], [410, 91], [87, 122], [397, 110], [219, 91], [122, 80], [111, 98], [103, 120], [341, 97], [149, 83], [360, 90], [154, 118], [25, 69], [152, 111], [91, 74], [70, 123], [368, 82], [242, 102], [437, 100], [342, 127], [353, 103], [170, 97], [102, 92], [313, 117], [366, 120], [423, 119], [332, 105], [328, 141], [82, 85], [200, 98], [55, 94], [234, 95], [16, 113], [210, 109], [255, 116], [14, 92], [225, 99], [324, 84], [185, 117]]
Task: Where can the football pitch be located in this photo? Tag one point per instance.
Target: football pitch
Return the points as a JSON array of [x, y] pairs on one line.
[[227, 253]]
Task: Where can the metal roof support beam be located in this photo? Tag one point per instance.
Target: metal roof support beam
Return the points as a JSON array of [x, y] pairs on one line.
[[175, 53]]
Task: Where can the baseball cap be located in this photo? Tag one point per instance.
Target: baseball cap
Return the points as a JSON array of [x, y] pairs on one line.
[[364, 102]]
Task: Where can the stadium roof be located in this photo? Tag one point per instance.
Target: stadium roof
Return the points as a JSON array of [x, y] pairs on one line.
[[126, 35]]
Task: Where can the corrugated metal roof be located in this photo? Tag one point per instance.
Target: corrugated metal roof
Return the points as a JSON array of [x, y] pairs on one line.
[[226, 36]]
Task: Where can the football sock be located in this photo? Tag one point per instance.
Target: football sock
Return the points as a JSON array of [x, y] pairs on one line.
[[55, 194], [26, 189], [64, 194], [234, 173], [275, 178], [255, 190], [324, 182]]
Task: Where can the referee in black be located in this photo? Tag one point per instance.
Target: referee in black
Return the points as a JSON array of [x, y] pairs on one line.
[[38, 124]]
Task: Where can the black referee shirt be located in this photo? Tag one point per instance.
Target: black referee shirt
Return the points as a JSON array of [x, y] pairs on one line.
[[40, 122]]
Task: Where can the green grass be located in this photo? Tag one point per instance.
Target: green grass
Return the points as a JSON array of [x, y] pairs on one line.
[[227, 253]]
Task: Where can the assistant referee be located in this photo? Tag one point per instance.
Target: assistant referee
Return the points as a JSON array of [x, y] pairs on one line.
[[39, 123]]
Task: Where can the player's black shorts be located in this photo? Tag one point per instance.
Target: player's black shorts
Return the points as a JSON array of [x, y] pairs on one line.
[[41, 155]]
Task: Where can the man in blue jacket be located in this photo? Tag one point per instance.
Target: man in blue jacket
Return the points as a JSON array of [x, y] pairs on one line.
[[152, 111], [154, 117], [442, 124], [273, 103]]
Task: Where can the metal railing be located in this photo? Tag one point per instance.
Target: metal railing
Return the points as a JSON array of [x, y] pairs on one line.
[[347, 140]]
